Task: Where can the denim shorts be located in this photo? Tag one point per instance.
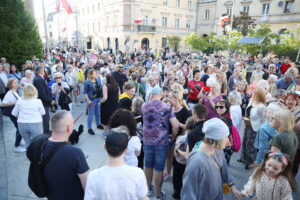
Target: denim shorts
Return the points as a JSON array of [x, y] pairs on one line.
[[155, 156]]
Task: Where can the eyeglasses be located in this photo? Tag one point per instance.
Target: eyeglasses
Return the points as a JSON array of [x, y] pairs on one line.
[[219, 107], [57, 77]]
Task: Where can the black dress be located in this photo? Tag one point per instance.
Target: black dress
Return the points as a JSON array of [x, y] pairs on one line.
[[110, 105]]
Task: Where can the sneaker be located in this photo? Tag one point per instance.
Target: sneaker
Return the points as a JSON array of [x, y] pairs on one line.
[[19, 149], [100, 126], [90, 131], [22, 143], [166, 176], [161, 197], [150, 192]]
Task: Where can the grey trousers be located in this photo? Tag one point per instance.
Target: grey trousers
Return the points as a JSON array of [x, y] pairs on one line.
[[29, 131]]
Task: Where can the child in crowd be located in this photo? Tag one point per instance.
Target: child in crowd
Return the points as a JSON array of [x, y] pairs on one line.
[[272, 180]]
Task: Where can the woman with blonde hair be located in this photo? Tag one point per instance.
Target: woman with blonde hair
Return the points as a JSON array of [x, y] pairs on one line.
[[93, 93], [29, 105], [221, 78], [182, 113], [285, 140], [255, 113], [8, 103]]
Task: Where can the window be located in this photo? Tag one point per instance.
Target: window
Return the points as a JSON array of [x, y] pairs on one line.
[[145, 21], [88, 10], [246, 9], [190, 4], [115, 20], [177, 3], [164, 42], [288, 7], [206, 16], [99, 28], [98, 6], [176, 23], [229, 11], [93, 8], [265, 9], [93, 26], [164, 21], [165, 3], [83, 11], [50, 33], [188, 23]]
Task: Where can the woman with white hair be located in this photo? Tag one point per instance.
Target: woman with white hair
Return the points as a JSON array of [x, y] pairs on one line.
[[58, 88], [272, 82], [235, 100], [209, 96], [27, 80], [257, 73]]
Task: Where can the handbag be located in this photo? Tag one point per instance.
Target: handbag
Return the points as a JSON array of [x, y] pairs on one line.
[[8, 109]]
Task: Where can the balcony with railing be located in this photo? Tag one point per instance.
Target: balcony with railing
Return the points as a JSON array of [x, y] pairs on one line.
[[146, 29]]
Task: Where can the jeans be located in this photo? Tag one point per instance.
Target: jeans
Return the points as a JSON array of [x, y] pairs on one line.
[[93, 109], [18, 135], [155, 156], [46, 120], [29, 131]]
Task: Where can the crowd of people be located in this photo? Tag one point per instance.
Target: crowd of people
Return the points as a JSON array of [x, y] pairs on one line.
[[162, 115]]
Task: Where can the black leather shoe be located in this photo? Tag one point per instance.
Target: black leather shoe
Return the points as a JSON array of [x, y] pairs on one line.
[[90, 131], [100, 126]]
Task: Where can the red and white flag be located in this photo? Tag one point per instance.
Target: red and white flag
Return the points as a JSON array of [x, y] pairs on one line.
[[65, 4], [223, 19], [64, 29]]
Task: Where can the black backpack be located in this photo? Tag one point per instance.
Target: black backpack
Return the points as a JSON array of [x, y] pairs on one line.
[[38, 162]]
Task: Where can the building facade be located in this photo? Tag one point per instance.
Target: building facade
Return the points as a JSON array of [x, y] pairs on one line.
[[281, 15], [132, 24]]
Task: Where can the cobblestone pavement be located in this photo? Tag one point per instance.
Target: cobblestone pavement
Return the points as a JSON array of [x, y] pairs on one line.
[[15, 180]]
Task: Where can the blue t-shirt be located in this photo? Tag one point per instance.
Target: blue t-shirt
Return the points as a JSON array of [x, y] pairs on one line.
[[61, 172]]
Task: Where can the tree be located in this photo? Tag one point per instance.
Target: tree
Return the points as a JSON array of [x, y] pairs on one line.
[[243, 23], [19, 38], [197, 42], [174, 42]]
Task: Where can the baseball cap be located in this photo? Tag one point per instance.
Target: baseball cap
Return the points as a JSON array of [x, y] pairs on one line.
[[116, 143]]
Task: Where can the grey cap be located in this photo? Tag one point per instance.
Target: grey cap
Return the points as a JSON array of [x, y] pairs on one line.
[[215, 129]]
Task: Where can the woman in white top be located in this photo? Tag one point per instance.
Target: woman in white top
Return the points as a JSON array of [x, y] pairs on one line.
[[58, 87], [235, 101], [123, 117], [10, 99], [72, 80], [27, 80], [29, 111]]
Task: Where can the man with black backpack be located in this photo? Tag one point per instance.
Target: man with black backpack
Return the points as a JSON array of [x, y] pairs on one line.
[[57, 170]]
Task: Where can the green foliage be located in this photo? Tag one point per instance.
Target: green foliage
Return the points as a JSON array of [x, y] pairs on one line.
[[197, 42], [174, 42], [243, 23], [19, 38]]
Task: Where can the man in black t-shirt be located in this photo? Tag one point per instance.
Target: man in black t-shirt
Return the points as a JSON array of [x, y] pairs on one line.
[[120, 77], [66, 173]]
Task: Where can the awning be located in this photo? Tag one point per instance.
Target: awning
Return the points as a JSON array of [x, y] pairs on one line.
[[251, 40]]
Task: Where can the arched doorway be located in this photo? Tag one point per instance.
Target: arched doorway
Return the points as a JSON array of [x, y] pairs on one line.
[[108, 43], [145, 43], [117, 44]]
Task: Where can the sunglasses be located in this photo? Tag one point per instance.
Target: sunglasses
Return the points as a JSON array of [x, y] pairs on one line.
[[57, 77], [220, 107]]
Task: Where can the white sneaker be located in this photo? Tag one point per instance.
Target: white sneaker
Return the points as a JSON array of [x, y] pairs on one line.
[[22, 143], [19, 149], [150, 192], [162, 196]]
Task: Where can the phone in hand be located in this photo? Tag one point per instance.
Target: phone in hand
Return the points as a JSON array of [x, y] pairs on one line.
[[59, 84]]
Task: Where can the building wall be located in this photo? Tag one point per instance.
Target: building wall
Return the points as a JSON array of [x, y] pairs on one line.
[[115, 19], [277, 18]]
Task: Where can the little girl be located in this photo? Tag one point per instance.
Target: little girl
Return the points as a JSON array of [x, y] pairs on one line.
[[271, 180]]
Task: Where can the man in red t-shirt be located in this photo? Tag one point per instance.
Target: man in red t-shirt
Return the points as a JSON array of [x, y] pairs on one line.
[[285, 66], [195, 86]]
